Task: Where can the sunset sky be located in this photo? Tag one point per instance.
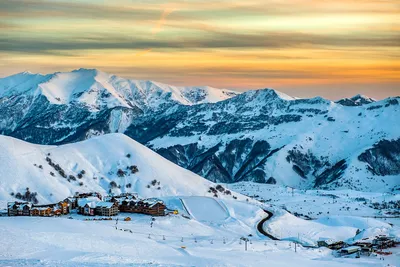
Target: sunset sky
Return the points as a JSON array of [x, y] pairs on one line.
[[304, 48]]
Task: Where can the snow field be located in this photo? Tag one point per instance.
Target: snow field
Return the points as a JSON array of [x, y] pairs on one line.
[[62, 242]]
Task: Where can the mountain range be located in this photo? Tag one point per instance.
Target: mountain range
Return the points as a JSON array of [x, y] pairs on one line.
[[225, 136]]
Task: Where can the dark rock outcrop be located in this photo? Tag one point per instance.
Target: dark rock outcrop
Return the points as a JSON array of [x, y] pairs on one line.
[[383, 158]]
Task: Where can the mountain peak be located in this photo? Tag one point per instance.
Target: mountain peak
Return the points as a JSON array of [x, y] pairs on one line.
[[357, 100], [267, 95], [360, 97], [87, 70]]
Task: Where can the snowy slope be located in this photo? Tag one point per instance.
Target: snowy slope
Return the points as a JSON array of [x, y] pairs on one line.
[[24, 165], [341, 228], [62, 242], [205, 209]]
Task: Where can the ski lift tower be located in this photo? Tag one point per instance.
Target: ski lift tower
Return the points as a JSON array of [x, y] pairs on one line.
[[290, 188], [245, 239]]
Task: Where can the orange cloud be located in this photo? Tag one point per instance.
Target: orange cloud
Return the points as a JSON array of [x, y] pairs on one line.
[[157, 28], [162, 20]]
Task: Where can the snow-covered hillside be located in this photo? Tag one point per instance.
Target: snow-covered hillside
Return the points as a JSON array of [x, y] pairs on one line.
[[102, 164], [261, 135]]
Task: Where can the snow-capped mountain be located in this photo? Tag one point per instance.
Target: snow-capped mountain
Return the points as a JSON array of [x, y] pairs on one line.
[[357, 100], [65, 100], [101, 164], [261, 135], [96, 90]]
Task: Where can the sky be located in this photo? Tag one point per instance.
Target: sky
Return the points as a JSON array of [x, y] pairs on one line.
[[304, 48]]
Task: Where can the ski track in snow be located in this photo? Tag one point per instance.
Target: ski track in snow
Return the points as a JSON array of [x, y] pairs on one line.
[[206, 209]]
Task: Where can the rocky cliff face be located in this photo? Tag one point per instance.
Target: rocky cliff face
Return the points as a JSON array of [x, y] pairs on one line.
[[383, 158], [238, 160], [262, 135]]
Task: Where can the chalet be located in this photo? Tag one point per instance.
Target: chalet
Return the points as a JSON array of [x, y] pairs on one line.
[[71, 201], [151, 206], [19, 208], [42, 211], [89, 209], [366, 247], [50, 209], [130, 206], [94, 206], [350, 250], [154, 207], [325, 242], [330, 243], [383, 242], [64, 207], [106, 208], [81, 203], [57, 211]]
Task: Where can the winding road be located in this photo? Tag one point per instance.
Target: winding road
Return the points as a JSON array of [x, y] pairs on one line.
[[260, 225]]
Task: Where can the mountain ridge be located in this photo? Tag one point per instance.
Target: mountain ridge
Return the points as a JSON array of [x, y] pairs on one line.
[[259, 135], [91, 87], [358, 99]]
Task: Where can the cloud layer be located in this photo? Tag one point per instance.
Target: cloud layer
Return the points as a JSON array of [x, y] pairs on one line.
[[303, 47]]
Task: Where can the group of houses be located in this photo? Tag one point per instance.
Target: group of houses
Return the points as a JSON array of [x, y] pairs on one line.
[[380, 242], [29, 209], [365, 246], [92, 204], [330, 243], [126, 202]]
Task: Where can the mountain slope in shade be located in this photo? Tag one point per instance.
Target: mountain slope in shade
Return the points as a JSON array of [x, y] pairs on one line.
[[260, 135], [25, 165]]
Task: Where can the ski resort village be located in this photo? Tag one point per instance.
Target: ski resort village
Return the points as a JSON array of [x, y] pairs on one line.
[[110, 200], [90, 204]]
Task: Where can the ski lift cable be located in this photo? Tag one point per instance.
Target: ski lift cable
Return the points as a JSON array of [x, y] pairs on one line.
[[196, 238]]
